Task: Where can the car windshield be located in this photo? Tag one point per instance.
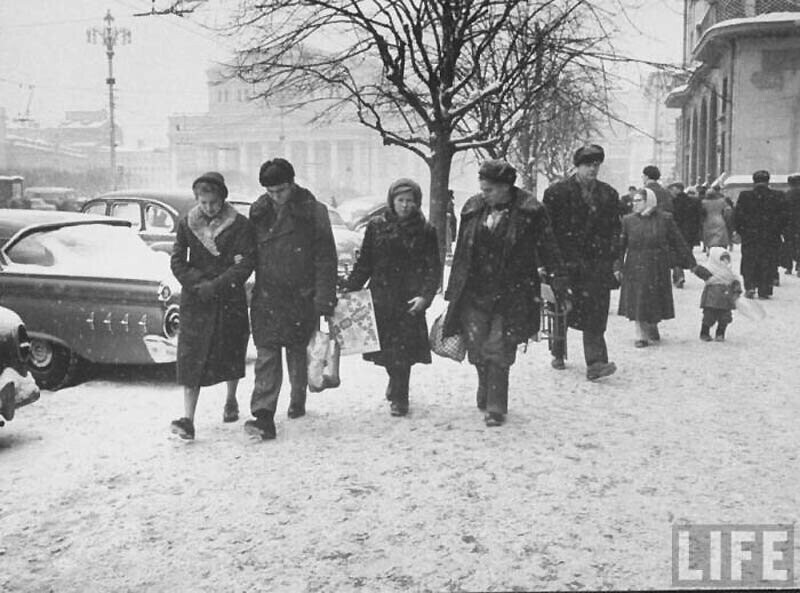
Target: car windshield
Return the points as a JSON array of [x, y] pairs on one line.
[[90, 250]]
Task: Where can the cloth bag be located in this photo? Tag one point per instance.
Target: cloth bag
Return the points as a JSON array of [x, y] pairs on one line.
[[453, 347], [323, 354]]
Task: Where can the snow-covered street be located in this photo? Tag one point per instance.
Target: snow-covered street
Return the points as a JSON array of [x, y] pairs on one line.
[[579, 489]]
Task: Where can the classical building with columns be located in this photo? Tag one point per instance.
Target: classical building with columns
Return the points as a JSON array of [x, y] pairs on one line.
[[337, 160], [740, 107]]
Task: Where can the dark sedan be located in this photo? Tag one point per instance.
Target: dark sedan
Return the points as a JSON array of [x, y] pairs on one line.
[[89, 289]]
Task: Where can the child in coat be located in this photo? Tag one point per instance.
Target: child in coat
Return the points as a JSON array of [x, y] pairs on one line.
[[719, 296]]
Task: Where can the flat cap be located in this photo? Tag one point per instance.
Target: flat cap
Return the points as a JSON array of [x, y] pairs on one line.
[[497, 170], [761, 176], [591, 153]]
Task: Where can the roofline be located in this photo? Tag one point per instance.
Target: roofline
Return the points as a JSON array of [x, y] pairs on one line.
[[743, 27]]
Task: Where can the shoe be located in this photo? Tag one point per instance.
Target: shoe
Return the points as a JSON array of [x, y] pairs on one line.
[[749, 294], [599, 370], [719, 338], [705, 337], [558, 363], [494, 419], [764, 297], [641, 343], [655, 336], [396, 409], [295, 411], [230, 413], [680, 283], [263, 426], [183, 427]]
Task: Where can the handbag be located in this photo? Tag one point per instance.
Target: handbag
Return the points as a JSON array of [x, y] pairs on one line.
[[453, 347], [323, 354]]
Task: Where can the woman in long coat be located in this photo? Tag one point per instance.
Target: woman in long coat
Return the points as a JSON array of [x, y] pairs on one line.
[[717, 221], [213, 255], [648, 238], [400, 259]]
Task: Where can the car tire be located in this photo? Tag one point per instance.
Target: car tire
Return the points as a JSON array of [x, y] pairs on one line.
[[52, 365]]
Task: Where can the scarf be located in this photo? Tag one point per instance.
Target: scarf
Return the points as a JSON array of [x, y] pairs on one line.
[[721, 272], [207, 229], [650, 202]]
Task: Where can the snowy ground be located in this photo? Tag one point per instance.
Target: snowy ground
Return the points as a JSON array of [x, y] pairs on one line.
[[578, 490]]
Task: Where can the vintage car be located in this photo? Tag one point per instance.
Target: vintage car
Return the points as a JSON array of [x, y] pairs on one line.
[[89, 289], [17, 387], [155, 213]]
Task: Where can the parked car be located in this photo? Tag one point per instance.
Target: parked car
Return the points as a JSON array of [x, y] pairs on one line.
[[53, 198], [89, 290], [154, 214], [17, 387], [357, 212]]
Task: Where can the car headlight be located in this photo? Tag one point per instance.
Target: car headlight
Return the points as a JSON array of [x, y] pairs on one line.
[[164, 292], [23, 344], [172, 321]]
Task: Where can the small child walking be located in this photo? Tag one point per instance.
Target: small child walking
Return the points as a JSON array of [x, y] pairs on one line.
[[720, 294]]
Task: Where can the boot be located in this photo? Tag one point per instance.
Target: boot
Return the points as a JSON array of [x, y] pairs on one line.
[[720, 333], [705, 333]]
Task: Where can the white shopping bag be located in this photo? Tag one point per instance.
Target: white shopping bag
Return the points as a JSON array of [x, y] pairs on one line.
[[353, 323]]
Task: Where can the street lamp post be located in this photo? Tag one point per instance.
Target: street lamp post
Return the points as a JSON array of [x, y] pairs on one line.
[[109, 36]]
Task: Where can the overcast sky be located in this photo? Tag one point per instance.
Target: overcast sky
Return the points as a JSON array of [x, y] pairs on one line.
[[163, 71]]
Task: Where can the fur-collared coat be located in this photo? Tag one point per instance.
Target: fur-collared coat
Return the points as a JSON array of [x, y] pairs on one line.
[[212, 341], [295, 268], [528, 245]]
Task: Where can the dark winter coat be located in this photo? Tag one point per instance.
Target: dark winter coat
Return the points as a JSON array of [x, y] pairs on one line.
[[759, 218], [688, 213], [588, 238], [212, 341], [663, 197], [400, 259], [648, 244], [295, 268], [528, 244]]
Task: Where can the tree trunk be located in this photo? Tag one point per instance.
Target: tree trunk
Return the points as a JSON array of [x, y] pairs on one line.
[[440, 163]]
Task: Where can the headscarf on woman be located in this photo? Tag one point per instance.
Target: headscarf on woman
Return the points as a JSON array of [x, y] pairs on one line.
[[650, 201], [400, 186]]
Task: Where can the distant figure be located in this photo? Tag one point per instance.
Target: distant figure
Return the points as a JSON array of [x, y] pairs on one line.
[[451, 220], [650, 177], [759, 220], [717, 218], [649, 240], [626, 201], [688, 213], [792, 230], [719, 296]]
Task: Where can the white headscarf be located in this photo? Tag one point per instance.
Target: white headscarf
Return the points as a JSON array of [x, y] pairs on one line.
[[720, 270], [650, 201]]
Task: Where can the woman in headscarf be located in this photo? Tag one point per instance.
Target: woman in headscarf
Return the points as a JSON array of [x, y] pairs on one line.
[[648, 236], [717, 217], [399, 258], [213, 255]]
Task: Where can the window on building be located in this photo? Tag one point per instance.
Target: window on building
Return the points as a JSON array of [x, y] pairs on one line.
[[723, 108]]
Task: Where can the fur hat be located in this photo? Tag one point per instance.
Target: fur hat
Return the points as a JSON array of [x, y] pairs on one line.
[[651, 172], [761, 176], [591, 153], [275, 172], [214, 179], [404, 185], [497, 170]]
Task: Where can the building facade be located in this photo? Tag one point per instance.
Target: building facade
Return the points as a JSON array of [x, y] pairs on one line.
[[740, 106], [336, 160]]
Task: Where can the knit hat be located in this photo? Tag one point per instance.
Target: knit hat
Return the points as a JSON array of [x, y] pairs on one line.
[[401, 186], [275, 172], [214, 179], [651, 172], [591, 153], [761, 176], [497, 170]]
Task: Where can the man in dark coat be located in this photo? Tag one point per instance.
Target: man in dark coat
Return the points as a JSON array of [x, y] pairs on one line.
[[759, 219], [585, 216], [503, 240], [688, 214], [791, 233], [295, 285]]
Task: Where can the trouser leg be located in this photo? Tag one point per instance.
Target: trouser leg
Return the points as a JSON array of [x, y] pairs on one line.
[[268, 379], [483, 382], [497, 389], [297, 365], [641, 331], [594, 347], [399, 378]]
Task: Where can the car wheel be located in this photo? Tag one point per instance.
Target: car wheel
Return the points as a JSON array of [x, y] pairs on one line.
[[53, 366]]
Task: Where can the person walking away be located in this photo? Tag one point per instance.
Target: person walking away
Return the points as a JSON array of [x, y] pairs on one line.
[[688, 213], [717, 217], [649, 240], [792, 229], [493, 292], [759, 220], [650, 176], [399, 258], [451, 221], [584, 212], [720, 293], [295, 285], [213, 255], [626, 201]]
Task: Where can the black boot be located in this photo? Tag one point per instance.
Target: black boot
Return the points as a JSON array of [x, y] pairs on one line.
[[705, 333], [720, 333], [263, 426]]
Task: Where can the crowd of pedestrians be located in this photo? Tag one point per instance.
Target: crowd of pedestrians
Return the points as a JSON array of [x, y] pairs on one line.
[[582, 239]]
